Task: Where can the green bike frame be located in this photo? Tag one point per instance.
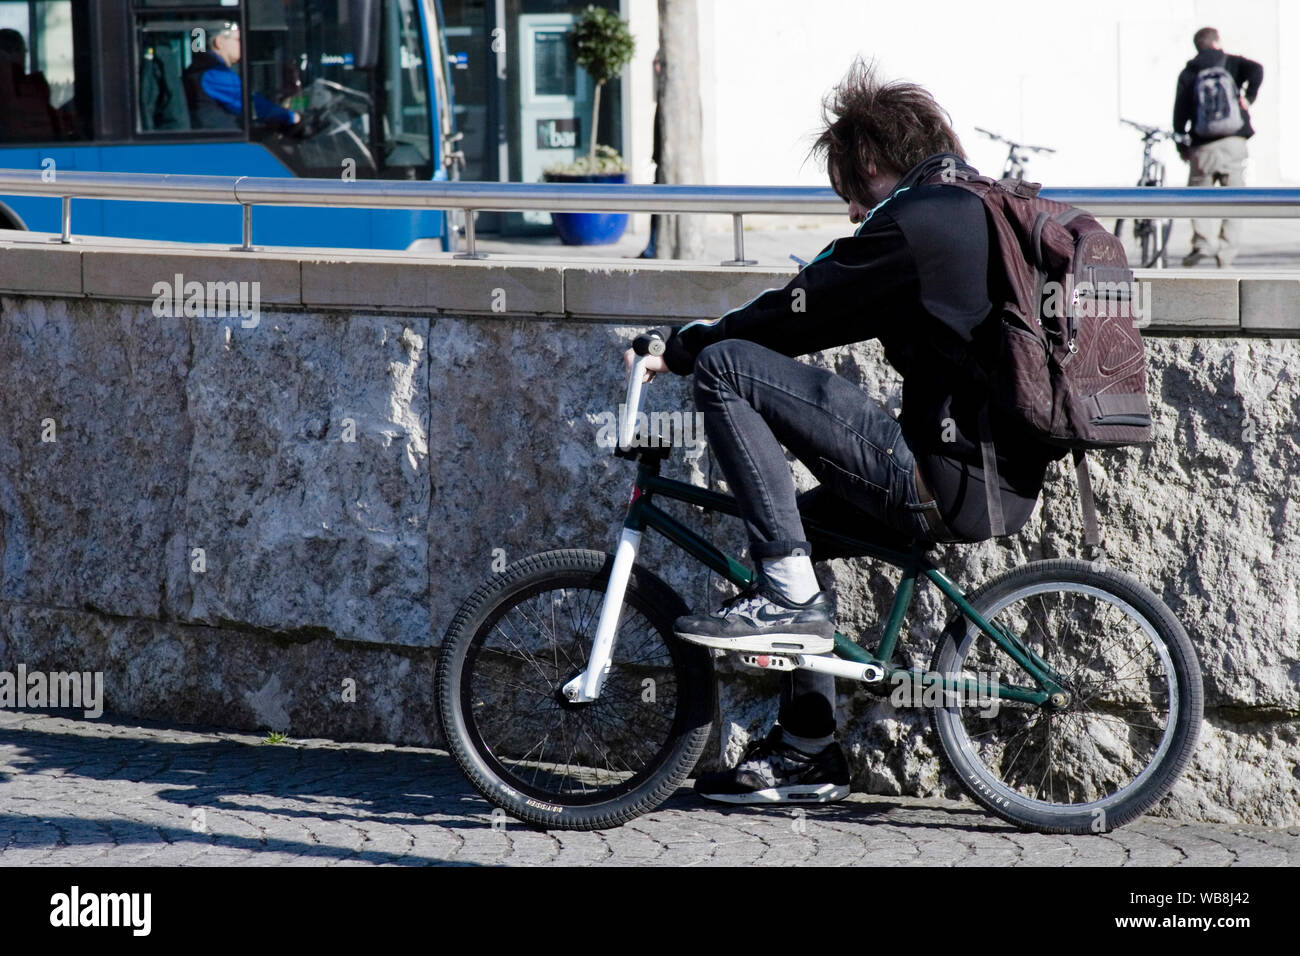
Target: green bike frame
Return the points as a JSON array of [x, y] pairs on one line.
[[848, 659], [643, 513]]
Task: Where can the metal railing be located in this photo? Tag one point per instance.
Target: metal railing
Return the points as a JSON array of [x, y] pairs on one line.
[[736, 201]]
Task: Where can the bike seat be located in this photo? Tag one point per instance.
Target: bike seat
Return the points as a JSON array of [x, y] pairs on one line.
[[654, 454], [822, 509]]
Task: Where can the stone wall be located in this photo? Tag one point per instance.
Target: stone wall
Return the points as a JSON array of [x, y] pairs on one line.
[[237, 524]]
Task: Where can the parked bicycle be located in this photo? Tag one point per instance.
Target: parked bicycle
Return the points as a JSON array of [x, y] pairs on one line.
[[1017, 161], [1151, 235], [567, 700]]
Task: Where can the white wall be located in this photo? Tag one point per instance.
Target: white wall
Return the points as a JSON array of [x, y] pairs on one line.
[[638, 96], [1058, 74]]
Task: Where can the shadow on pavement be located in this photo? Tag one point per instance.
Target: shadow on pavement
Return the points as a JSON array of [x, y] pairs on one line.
[[406, 788]]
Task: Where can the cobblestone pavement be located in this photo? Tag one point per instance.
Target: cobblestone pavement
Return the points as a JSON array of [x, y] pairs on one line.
[[113, 793]]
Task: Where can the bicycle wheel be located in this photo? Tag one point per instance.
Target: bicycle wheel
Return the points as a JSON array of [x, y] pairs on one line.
[[1153, 237], [1162, 253], [511, 648], [1134, 700], [1158, 231]]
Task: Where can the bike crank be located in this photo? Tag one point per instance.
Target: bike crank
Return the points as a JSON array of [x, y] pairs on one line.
[[850, 670]]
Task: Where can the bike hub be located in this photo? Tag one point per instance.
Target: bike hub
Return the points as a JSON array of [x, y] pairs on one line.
[[565, 701]]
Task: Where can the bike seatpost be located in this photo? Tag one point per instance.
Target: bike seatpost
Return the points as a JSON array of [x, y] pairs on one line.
[[645, 345]]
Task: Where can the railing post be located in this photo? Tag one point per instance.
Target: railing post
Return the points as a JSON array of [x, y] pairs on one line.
[[470, 252], [738, 234], [67, 220], [246, 215]]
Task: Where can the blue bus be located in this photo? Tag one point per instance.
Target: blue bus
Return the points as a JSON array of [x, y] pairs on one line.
[[342, 89]]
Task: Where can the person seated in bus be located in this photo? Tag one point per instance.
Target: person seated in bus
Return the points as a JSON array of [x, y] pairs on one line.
[[215, 93], [26, 115]]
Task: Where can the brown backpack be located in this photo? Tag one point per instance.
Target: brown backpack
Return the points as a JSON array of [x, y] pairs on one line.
[[1070, 365]]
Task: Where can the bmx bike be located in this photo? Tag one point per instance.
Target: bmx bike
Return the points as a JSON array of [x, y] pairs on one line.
[[567, 700]]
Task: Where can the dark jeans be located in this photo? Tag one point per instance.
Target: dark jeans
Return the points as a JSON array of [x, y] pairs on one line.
[[755, 400]]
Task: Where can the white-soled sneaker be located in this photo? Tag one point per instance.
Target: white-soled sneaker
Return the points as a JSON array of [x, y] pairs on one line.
[[772, 771], [763, 619]]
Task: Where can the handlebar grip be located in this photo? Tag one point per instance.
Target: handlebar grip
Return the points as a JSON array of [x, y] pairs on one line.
[[649, 343]]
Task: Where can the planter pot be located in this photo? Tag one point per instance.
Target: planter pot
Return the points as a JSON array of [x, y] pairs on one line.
[[589, 228]]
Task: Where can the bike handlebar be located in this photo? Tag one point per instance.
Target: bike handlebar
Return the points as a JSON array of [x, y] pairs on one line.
[[649, 343], [1012, 143], [1142, 127], [1155, 133], [644, 345]]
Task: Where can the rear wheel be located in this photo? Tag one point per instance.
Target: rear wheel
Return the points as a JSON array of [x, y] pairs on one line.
[[512, 647], [1132, 714], [1153, 236]]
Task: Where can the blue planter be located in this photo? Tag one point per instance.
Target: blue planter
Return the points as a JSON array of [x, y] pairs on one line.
[[589, 228]]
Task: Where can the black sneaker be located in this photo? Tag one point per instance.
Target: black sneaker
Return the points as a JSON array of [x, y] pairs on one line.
[[762, 619], [772, 771]]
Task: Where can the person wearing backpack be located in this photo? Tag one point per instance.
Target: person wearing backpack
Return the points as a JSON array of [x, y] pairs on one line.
[[917, 272], [1212, 105]]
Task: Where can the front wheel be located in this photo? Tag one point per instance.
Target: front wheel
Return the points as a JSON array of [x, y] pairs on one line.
[[1133, 709], [510, 650]]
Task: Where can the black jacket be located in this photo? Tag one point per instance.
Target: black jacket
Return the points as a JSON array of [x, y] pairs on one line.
[[916, 271], [1247, 74]]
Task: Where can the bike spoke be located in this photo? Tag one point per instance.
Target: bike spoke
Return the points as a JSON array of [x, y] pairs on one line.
[[546, 745], [1117, 713], [1153, 726], [527, 656]]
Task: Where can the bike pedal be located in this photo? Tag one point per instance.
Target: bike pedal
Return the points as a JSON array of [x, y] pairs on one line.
[[768, 662]]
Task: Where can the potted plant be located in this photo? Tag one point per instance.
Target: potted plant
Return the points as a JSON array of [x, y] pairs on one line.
[[603, 46]]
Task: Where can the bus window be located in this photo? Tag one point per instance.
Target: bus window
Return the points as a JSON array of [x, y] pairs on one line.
[[190, 70], [41, 100], [165, 54], [371, 122], [407, 140]]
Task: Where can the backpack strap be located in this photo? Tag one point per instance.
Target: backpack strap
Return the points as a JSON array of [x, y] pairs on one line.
[[1067, 217], [1064, 218], [1091, 531], [993, 496], [992, 485], [1036, 240]]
